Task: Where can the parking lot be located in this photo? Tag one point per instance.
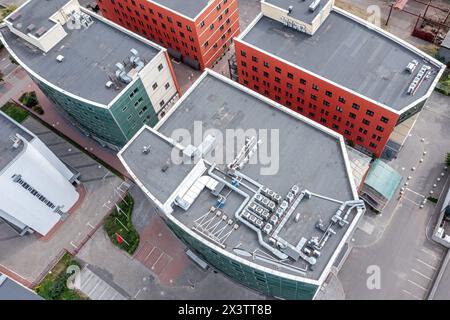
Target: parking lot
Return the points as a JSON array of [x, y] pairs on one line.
[[100, 190], [399, 240]]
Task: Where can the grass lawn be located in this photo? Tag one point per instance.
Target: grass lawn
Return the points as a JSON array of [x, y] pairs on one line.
[[120, 223], [15, 112], [53, 287]]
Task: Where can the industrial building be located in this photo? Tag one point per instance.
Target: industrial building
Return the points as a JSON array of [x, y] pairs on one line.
[[205, 169], [338, 70], [105, 79], [38, 189], [197, 32]]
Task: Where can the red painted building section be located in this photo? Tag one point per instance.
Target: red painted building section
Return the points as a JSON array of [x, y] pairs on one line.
[[360, 121], [198, 41]]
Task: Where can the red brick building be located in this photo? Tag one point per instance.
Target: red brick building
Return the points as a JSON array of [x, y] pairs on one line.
[[197, 32], [336, 69]]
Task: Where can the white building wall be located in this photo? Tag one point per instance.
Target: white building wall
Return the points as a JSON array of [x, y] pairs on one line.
[[40, 173], [151, 75]]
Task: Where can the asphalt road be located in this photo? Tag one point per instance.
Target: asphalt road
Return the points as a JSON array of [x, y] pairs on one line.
[[399, 244]]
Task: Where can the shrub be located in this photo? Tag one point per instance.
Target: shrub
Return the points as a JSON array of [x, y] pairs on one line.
[[15, 112], [29, 99]]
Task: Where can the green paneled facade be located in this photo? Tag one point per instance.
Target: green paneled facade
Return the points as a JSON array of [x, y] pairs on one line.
[[114, 125], [263, 282]]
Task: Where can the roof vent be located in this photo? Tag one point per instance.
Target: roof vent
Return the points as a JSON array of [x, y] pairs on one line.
[[313, 6], [31, 27], [109, 84], [40, 32], [60, 58], [146, 150], [290, 9], [15, 16]]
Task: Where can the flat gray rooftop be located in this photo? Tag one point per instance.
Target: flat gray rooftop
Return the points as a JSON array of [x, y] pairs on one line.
[[10, 290], [37, 14], [9, 129], [189, 8], [149, 168], [90, 56], [300, 8], [308, 157], [347, 53]]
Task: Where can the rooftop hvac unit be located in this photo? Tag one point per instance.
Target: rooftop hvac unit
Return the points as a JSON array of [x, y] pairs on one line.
[[313, 6], [109, 84], [60, 58], [411, 66]]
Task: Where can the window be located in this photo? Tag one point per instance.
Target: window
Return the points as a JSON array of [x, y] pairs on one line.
[[243, 63], [301, 91], [326, 103], [366, 122], [254, 59], [370, 113], [352, 115], [154, 86], [167, 85], [314, 97], [356, 106], [380, 128], [338, 109], [211, 26], [373, 145], [161, 103], [289, 85], [290, 75], [266, 64], [278, 80], [266, 74], [341, 99], [384, 119], [315, 87], [302, 81], [206, 44], [202, 24], [243, 53], [328, 93], [278, 70], [255, 69]]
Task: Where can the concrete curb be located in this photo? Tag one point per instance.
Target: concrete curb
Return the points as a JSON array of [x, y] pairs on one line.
[[438, 278]]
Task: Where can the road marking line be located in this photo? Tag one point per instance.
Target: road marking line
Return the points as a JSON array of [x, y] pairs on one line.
[[417, 204], [162, 253], [421, 274], [149, 254], [415, 192], [137, 293], [430, 253], [409, 293], [417, 285], [428, 265]]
